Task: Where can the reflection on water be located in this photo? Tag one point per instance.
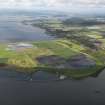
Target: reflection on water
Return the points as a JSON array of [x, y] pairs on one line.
[[42, 76], [38, 76], [11, 29], [89, 91]]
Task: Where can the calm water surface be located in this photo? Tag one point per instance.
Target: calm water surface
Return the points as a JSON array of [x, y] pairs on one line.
[[16, 89], [12, 29]]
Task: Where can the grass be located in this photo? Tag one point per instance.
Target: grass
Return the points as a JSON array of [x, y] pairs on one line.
[[56, 48], [4, 53], [22, 61], [25, 61], [75, 74], [76, 40]]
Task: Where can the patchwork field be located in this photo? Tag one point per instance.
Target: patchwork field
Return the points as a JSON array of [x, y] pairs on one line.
[[56, 56], [77, 50]]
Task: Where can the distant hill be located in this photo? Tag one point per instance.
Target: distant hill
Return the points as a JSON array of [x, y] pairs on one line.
[[83, 21]]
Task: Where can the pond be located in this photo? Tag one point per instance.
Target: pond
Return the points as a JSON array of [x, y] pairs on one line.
[[12, 29]]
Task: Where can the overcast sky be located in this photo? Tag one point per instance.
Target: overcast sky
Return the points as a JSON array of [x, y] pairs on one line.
[[52, 4]]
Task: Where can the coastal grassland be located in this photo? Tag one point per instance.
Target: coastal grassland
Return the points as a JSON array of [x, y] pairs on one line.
[[82, 73], [5, 53], [93, 34], [75, 38], [22, 61], [26, 59], [57, 48], [75, 74], [67, 49]]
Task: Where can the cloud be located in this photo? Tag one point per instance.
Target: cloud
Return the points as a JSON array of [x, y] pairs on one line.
[[51, 3]]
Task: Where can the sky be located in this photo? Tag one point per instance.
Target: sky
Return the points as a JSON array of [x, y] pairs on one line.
[[52, 4]]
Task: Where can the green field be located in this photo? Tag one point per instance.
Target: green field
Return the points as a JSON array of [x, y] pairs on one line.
[[25, 60], [77, 52]]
